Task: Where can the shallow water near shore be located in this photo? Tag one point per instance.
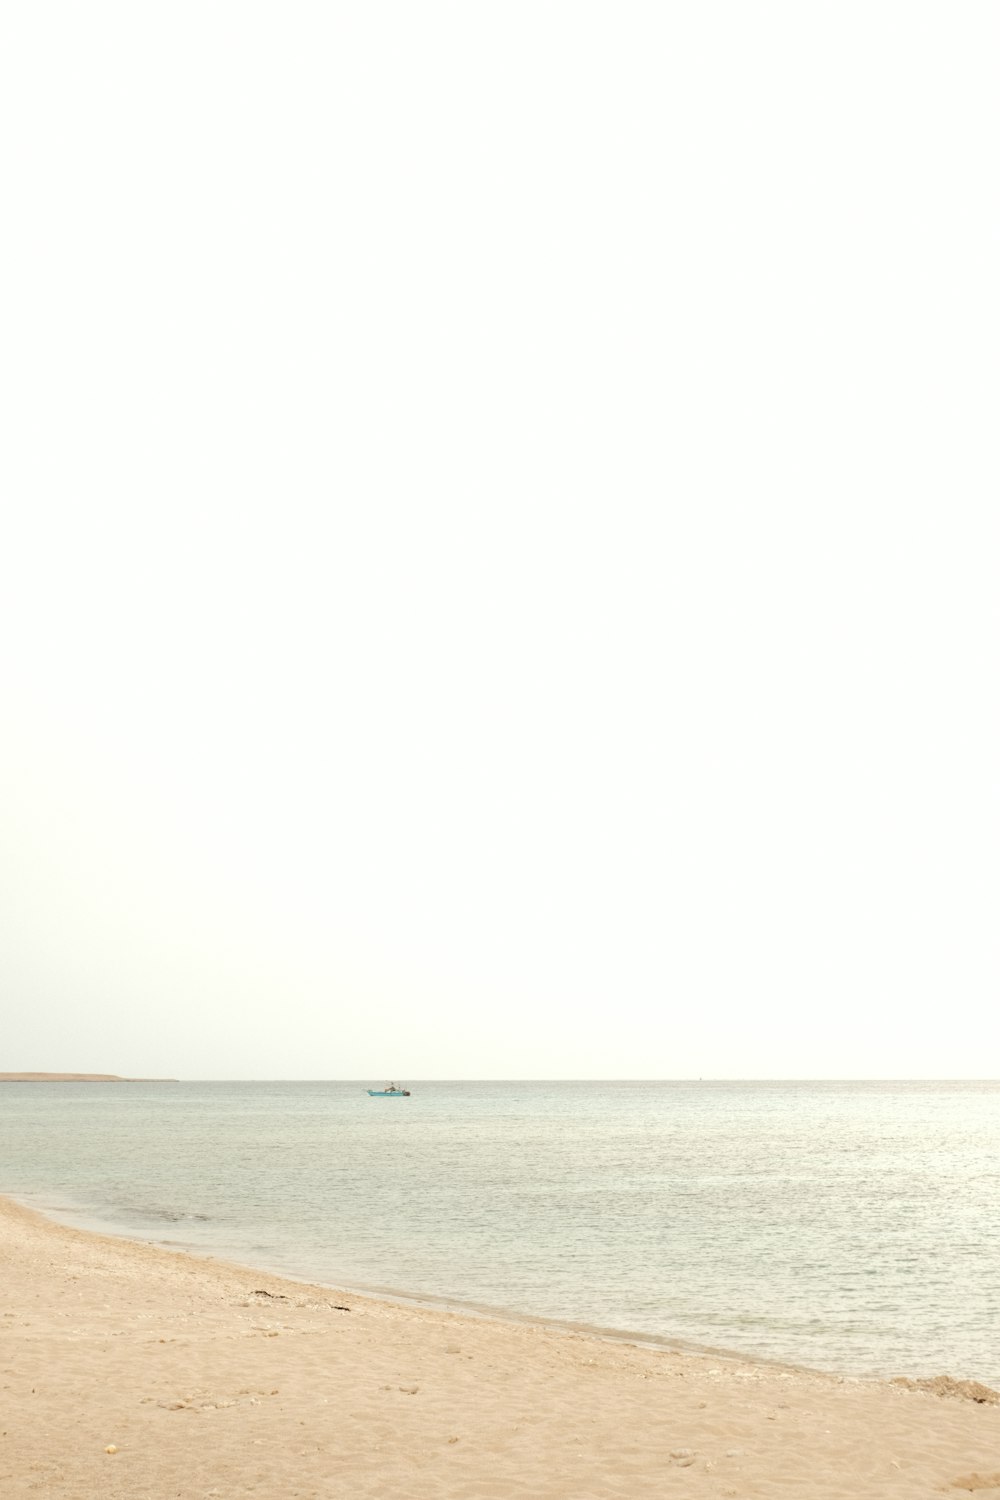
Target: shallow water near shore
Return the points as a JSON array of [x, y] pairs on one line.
[[844, 1226]]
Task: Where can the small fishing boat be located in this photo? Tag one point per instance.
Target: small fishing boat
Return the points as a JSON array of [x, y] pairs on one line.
[[391, 1091]]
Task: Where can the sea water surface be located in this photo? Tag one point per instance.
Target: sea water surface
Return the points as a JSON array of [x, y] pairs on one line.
[[845, 1226]]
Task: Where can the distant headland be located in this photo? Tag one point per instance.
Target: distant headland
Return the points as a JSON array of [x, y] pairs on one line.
[[76, 1078]]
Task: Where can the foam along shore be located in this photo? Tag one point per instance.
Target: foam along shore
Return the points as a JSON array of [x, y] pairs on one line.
[[130, 1370]]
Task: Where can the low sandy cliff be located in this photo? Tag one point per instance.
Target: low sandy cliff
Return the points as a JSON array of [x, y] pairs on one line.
[[76, 1078]]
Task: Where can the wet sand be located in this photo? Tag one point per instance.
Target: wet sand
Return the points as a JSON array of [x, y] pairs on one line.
[[213, 1382]]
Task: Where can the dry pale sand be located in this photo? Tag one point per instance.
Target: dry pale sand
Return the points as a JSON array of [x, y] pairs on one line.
[[213, 1381]]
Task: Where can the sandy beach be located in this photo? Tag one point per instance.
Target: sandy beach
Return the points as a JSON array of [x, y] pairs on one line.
[[136, 1373]]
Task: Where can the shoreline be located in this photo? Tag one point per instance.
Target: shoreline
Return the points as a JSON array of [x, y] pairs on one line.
[[80, 1221], [215, 1380], [400, 1297]]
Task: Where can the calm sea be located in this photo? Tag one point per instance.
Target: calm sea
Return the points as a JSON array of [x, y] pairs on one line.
[[845, 1226]]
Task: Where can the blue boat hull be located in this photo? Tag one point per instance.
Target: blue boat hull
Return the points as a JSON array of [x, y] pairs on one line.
[[388, 1094]]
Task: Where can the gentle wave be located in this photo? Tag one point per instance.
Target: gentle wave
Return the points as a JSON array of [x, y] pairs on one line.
[[838, 1226]]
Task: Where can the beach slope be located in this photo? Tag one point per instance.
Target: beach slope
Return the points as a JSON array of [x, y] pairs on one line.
[[215, 1383]]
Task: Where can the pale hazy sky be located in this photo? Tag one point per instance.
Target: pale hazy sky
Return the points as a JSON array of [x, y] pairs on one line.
[[499, 552]]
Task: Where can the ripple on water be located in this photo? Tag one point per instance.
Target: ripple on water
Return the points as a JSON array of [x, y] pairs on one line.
[[840, 1226]]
